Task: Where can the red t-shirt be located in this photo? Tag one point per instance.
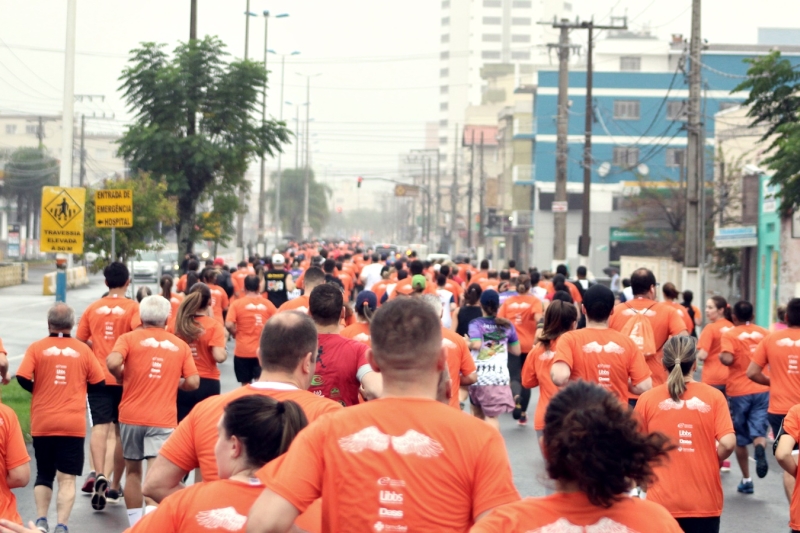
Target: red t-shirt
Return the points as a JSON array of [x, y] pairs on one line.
[[339, 362]]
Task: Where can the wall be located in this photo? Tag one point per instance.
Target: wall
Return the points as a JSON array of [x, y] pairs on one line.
[[768, 256]]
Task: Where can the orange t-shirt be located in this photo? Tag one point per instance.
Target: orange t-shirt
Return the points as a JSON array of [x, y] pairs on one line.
[[536, 372], [155, 361], [347, 283], [683, 314], [404, 287], [388, 460], [213, 336], [522, 311], [237, 278], [459, 361], [688, 484], [603, 356], [102, 323], [358, 332], [455, 288], [714, 372], [249, 313], [175, 300], [791, 425], [568, 512], [742, 341], [574, 292], [380, 288], [489, 284], [781, 351], [13, 453], [191, 445], [180, 286], [60, 368], [219, 302], [665, 322], [297, 304]]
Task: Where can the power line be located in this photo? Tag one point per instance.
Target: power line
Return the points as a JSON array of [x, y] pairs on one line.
[[27, 67]]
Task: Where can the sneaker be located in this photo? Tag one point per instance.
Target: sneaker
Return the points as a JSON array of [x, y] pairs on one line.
[[523, 419], [517, 412], [88, 485], [99, 494], [745, 487], [61, 528], [761, 461], [41, 524], [114, 496], [726, 466]]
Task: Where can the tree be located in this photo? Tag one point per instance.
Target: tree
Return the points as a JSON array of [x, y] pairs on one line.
[[26, 172], [774, 101], [153, 209], [292, 201], [194, 123]]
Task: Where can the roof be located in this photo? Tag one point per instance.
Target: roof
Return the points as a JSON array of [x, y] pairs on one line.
[[472, 135]]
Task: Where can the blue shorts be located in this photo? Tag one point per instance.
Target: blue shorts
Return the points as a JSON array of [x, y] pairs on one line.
[[749, 415]]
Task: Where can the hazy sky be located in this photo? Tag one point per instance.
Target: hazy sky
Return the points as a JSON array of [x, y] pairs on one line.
[[378, 60]]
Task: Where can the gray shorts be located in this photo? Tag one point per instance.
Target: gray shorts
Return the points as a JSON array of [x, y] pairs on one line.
[[142, 442]]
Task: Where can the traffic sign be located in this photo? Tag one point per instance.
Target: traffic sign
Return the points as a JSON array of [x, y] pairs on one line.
[[113, 208], [736, 237], [62, 219], [560, 207], [406, 190]]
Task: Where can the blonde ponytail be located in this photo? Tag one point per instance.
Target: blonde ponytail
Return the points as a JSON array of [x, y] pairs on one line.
[[679, 358]]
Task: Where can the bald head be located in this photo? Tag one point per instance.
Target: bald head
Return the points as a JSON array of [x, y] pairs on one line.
[[285, 340], [406, 335], [60, 318]]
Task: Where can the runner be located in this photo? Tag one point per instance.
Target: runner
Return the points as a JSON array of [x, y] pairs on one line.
[[101, 324], [206, 338], [342, 364], [174, 298], [371, 273], [277, 282], [150, 363], [748, 400], [524, 311], [219, 298], [245, 320], [696, 419], [191, 266], [383, 464], [780, 351], [366, 304], [786, 455], [718, 313], [599, 354], [447, 299], [492, 339], [15, 468], [406, 286], [58, 370], [593, 481], [237, 278], [671, 296], [314, 277], [469, 310], [692, 310]]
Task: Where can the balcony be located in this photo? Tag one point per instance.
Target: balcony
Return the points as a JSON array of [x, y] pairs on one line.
[[523, 174], [524, 127], [522, 219]]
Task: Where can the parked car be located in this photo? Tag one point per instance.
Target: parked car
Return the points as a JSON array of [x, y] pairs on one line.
[[145, 266], [170, 263]]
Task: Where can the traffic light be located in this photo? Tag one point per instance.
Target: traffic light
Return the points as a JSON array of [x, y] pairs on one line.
[[360, 179]]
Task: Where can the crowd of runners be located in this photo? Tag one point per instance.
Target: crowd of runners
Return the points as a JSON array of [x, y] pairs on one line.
[[371, 392]]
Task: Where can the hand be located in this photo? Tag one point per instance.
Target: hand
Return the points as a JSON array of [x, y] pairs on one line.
[[7, 526]]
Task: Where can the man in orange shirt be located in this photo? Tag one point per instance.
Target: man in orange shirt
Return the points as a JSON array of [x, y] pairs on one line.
[[152, 365], [573, 289], [238, 279], [245, 320], [347, 281], [56, 371], [100, 326], [381, 465], [191, 266], [314, 277], [416, 268], [599, 354]]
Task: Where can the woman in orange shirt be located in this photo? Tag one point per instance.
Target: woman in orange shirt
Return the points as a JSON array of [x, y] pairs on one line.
[[366, 304], [196, 326], [718, 313], [696, 418], [594, 452], [174, 298]]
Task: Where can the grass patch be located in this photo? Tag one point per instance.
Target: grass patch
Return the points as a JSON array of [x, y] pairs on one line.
[[19, 400]]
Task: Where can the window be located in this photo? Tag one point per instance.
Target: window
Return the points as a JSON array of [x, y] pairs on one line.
[[625, 156], [520, 21], [31, 129], [521, 56], [487, 54], [520, 38], [446, 38], [11, 129], [495, 21], [443, 140], [444, 55], [444, 72], [443, 106], [676, 157], [492, 38], [443, 89], [492, 3], [626, 109], [727, 105], [445, 21], [630, 63], [443, 123], [445, 4], [676, 110], [521, 4]]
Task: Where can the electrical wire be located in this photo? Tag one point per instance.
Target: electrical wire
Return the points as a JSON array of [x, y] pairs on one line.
[[28, 68]]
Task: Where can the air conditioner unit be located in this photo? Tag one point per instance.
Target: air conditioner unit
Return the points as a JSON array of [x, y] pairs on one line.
[[522, 219]]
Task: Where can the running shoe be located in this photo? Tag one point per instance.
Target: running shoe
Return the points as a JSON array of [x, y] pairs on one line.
[[41, 524], [114, 496], [761, 461], [745, 487], [523, 419], [517, 412], [88, 485], [99, 494], [726, 466], [61, 528]]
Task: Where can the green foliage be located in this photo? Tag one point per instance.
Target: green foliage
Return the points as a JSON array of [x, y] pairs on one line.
[[194, 124], [26, 172], [292, 201], [19, 400], [153, 209], [774, 101]]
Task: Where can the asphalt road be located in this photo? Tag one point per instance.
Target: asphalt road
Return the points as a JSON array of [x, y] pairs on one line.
[[23, 320]]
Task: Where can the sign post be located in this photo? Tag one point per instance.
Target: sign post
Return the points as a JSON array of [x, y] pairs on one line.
[[62, 228], [113, 208]]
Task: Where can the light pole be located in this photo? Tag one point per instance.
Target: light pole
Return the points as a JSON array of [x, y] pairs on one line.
[[242, 197], [280, 153], [306, 227]]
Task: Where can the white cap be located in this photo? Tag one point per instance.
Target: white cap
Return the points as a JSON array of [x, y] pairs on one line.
[[277, 259]]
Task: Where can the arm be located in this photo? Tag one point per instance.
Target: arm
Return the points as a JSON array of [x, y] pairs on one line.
[[162, 479], [702, 355], [469, 380], [372, 385], [474, 345], [116, 365], [231, 327], [559, 373], [514, 349], [289, 283], [642, 387], [271, 513], [19, 476], [755, 373], [454, 327], [190, 383], [219, 354], [726, 358], [784, 456], [25, 383], [4, 367], [726, 446]]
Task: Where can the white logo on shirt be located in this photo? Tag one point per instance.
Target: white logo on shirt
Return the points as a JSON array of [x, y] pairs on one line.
[[226, 518], [787, 342], [410, 443], [644, 312], [153, 343], [755, 335], [53, 351], [448, 344], [519, 305], [604, 525], [611, 347], [105, 310], [726, 329], [694, 404], [547, 355], [256, 307]]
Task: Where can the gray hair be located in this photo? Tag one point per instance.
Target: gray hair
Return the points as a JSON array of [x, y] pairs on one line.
[[60, 317], [434, 302], [154, 310]]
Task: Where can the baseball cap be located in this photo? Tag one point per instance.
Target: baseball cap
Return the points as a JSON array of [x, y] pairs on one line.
[[418, 282], [367, 298], [490, 298], [219, 261], [278, 259]]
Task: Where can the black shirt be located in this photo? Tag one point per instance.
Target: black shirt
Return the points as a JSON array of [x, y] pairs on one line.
[[275, 286], [467, 314]]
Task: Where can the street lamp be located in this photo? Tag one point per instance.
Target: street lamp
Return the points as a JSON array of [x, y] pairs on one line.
[[247, 15], [306, 227]]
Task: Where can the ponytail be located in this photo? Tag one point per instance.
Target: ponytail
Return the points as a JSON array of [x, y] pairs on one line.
[[722, 303], [679, 357], [365, 312], [558, 319], [523, 284], [186, 327], [166, 287], [473, 295], [491, 312]]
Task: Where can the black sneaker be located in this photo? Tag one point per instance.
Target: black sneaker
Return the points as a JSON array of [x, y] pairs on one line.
[[114, 496], [517, 408], [99, 494], [761, 461]]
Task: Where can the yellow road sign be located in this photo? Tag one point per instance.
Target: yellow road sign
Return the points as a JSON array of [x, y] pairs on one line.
[[62, 219], [406, 190], [113, 208]]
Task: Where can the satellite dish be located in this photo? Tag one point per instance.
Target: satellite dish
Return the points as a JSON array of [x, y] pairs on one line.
[[604, 169], [643, 169]]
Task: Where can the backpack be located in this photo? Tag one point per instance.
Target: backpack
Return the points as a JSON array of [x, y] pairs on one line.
[[640, 331]]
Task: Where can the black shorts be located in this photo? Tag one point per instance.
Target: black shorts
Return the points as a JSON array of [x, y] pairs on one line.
[[64, 454], [775, 422], [247, 369], [708, 524], [104, 405], [187, 400]]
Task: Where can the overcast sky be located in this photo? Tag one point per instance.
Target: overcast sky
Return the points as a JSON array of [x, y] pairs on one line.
[[378, 60]]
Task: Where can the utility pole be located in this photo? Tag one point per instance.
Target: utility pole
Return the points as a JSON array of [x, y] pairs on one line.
[[242, 196], [40, 132], [438, 197], [469, 189], [298, 136], [482, 201], [560, 213], [454, 192], [306, 229], [193, 22], [694, 148], [82, 175], [280, 161], [262, 175]]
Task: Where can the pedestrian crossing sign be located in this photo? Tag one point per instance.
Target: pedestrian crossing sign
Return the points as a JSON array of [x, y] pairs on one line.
[[62, 219]]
